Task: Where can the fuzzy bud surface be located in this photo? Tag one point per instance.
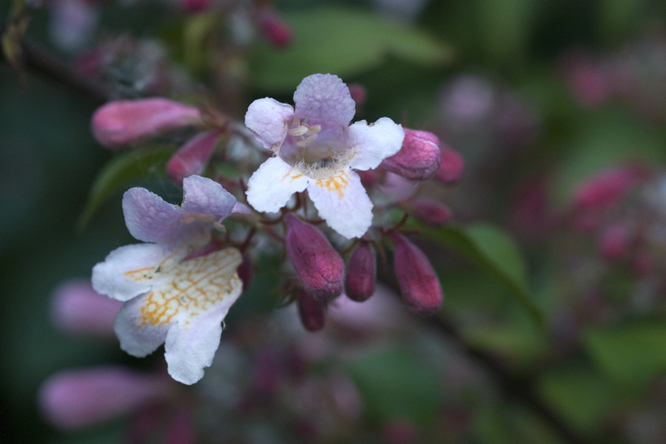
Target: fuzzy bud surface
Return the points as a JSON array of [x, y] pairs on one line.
[[319, 267], [418, 159], [361, 273]]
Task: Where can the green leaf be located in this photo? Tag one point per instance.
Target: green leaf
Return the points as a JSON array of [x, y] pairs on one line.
[[395, 383], [340, 41], [121, 171], [492, 250], [632, 353]]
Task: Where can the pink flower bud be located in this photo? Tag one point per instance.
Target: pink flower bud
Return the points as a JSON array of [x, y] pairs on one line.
[[317, 264], [614, 241], [452, 167], [311, 312], [430, 211], [77, 308], [194, 6], [180, 429], [361, 273], [274, 29], [418, 281], [120, 123], [192, 157], [418, 159], [358, 93], [608, 187], [76, 399]]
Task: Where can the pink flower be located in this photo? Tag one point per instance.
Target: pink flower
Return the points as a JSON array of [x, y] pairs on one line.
[[316, 149], [192, 157]]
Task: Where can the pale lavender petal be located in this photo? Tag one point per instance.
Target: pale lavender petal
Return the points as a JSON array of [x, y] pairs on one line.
[[374, 143], [326, 97], [127, 271], [205, 196], [271, 186], [137, 337], [148, 217], [343, 203], [269, 120], [190, 347]]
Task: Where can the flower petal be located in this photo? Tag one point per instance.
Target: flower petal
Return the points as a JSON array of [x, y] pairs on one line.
[[343, 203], [269, 120], [136, 337], [324, 96], [119, 276], [205, 196], [191, 343], [148, 217], [271, 186], [374, 143]]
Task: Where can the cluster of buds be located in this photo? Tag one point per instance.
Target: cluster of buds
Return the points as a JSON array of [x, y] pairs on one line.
[[632, 75], [360, 180]]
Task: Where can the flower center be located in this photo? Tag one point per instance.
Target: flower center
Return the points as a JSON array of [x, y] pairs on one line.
[[315, 148]]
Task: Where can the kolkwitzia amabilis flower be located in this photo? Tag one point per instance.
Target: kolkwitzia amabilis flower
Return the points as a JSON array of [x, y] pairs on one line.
[[316, 149], [171, 295]]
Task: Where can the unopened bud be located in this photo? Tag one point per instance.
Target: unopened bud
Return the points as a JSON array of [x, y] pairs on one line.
[[78, 309], [614, 241], [452, 167], [418, 281], [192, 157], [358, 93], [431, 212], [608, 186], [319, 267], [361, 273], [120, 123], [76, 399], [274, 29], [311, 312], [418, 159]]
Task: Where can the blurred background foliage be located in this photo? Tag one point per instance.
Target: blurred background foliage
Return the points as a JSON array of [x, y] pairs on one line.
[[605, 379]]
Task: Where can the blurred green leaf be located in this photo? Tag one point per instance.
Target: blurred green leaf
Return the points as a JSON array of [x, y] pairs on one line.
[[492, 250], [197, 27], [581, 395], [121, 171], [395, 383], [342, 41], [632, 353], [505, 27]]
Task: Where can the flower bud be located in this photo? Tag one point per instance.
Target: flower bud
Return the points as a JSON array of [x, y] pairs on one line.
[[358, 93], [361, 273], [75, 399], [311, 312], [430, 211], [451, 169], [244, 271], [77, 308], [274, 29], [418, 159], [120, 123], [418, 282], [319, 267], [608, 186], [192, 157]]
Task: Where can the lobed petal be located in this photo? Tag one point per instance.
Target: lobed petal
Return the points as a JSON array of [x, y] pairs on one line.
[[137, 337], [148, 217], [271, 186], [120, 275], [343, 203], [374, 143], [269, 120], [326, 97], [205, 196]]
